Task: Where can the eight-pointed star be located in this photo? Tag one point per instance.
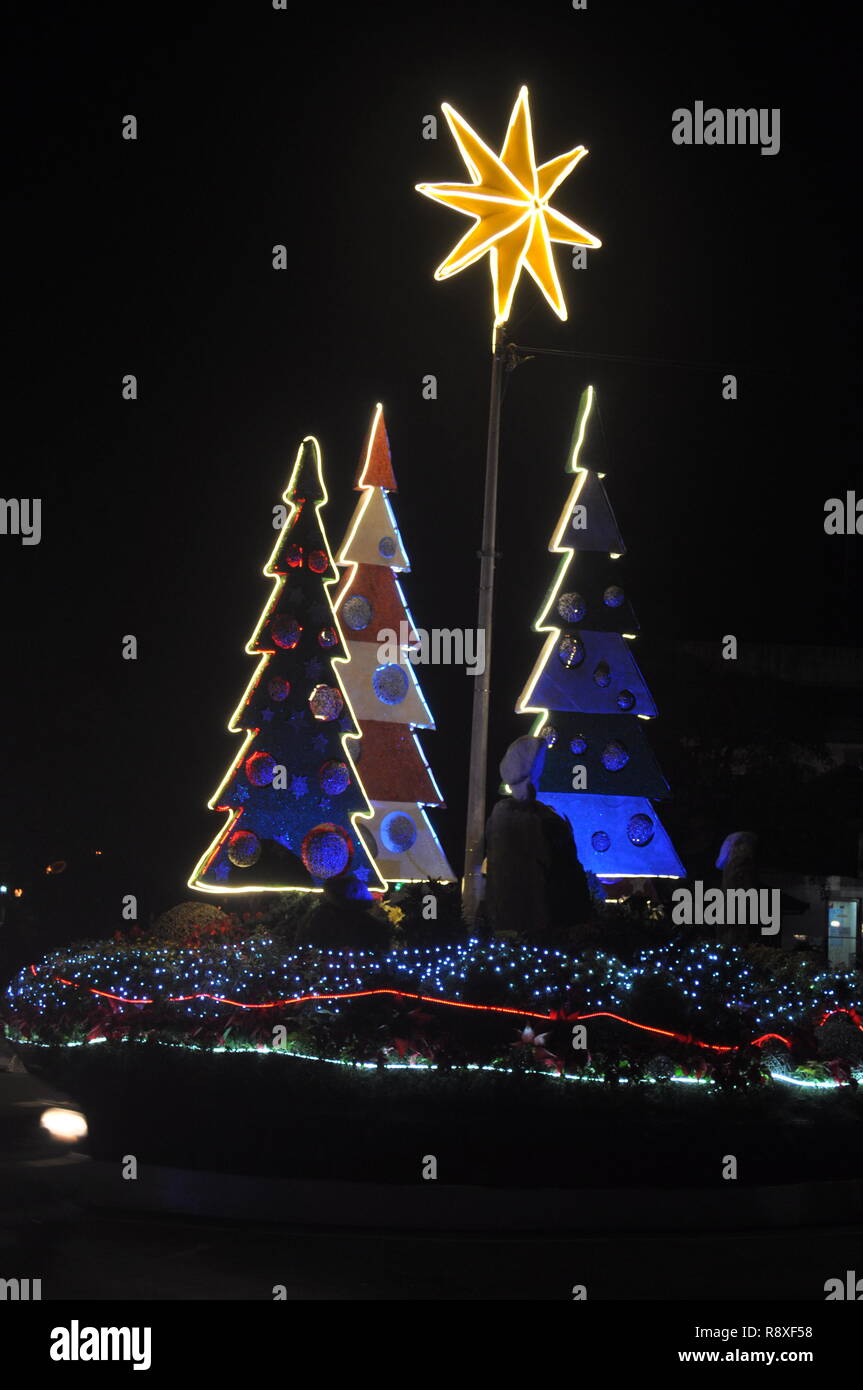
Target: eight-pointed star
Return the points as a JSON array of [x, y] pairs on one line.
[[509, 202]]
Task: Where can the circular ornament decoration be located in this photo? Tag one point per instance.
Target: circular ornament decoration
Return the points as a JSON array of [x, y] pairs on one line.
[[600, 841], [326, 702], [578, 744], [260, 768], [278, 688], [244, 849], [327, 851], [294, 556], [571, 607], [615, 756], [327, 638], [613, 596], [398, 832], [640, 830], [318, 561], [549, 733], [386, 547], [356, 612], [369, 841], [625, 700], [286, 632], [390, 684], [334, 778], [602, 675], [570, 652]]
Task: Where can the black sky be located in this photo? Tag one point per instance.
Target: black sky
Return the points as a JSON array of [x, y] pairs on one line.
[[258, 127]]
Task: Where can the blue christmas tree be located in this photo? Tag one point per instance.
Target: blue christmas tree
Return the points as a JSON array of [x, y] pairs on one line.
[[589, 699], [292, 795]]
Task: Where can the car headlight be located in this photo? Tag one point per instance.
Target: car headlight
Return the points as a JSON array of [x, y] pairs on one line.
[[64, 1124]]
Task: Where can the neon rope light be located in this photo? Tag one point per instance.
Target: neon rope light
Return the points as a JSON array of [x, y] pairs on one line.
[[509, 203], [567, 552], [549, 1073], [252, 649], [554, 1017], [369, 491]]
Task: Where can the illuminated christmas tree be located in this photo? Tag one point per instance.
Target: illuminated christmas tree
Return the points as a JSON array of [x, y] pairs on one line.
[[381, 681], [292, 795], [589, 697]]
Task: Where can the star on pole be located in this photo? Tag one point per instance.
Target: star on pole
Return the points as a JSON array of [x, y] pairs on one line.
[[509, 202]]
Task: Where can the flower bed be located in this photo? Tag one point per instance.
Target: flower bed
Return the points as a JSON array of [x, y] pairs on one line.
[[734, 1016]]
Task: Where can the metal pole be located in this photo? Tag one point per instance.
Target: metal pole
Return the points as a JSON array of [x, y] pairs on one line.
[[472, 881]]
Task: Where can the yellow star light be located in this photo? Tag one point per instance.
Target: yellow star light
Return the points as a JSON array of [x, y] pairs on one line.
[[509, 202]]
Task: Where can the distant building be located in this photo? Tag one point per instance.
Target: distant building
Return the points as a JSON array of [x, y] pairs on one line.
[[812, 846]]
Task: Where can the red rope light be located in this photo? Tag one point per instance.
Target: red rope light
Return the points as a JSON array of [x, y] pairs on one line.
[[458, 1004]]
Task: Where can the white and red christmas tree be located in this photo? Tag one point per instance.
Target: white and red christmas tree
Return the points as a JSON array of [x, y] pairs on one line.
[[380, 679]]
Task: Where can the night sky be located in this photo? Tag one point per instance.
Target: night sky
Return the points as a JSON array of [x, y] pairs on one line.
[[154, 257]]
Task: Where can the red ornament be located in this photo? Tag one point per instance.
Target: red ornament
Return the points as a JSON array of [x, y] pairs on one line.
[[334, 778], [294, 556], [279, 688], [244, 849], [327, 851], [286, 632], [318, 561], [260, 768]]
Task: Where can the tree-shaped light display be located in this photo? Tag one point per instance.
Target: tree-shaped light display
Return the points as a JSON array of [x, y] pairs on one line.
[[588, 696], [381, 681], [292, 795]]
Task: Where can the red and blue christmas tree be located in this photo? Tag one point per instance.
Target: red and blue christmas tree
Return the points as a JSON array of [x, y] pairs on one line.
[[292, 796], [589, 698]]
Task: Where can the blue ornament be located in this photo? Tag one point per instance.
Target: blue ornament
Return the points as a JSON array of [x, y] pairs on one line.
[[570, 651], [356, 612], [571, 607], [390, 684], [614, 756], [600, 841], [398, 832], [578, 745], [386, 547], [326, 702], [640, 830]]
